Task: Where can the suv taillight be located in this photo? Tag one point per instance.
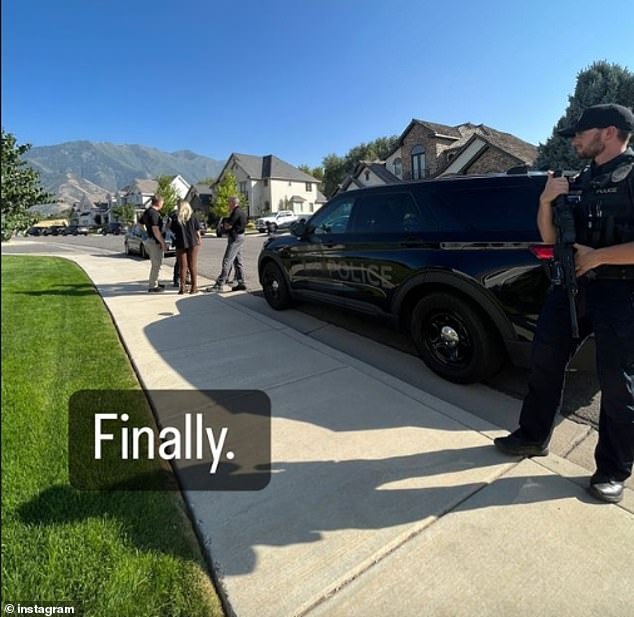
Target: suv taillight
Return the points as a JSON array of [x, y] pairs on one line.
[[543, 252]]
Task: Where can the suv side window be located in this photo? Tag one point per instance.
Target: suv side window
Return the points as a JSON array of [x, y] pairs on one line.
[[387, 213], [507, 209], [334, 218]]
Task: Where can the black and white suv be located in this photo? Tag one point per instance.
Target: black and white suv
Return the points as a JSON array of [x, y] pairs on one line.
[[457, 261]]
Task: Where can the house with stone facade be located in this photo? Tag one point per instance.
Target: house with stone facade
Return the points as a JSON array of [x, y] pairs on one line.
[[428, 150], [271, 184]]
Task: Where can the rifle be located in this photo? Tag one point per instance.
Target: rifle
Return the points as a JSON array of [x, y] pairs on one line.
[[563, 271]]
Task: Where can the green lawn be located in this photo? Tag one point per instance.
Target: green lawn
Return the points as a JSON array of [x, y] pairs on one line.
[[113, 553]]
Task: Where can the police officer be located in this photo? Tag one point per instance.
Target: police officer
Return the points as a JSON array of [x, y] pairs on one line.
[[604, 262]]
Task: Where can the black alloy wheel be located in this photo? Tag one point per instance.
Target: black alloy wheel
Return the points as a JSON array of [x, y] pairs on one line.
[[275, 287], [454, 339]]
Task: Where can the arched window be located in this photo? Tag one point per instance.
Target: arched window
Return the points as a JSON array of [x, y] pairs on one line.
[[398, 168], [419, 163]]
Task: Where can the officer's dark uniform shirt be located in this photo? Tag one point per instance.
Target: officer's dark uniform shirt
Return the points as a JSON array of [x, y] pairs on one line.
[[605, 214], [238, 221], [152, 218]]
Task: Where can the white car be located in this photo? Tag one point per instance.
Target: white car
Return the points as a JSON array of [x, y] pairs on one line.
[[279, 220]]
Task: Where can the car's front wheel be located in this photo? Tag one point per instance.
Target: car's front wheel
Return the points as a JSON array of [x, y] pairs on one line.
[[454, 339], [275, 287]]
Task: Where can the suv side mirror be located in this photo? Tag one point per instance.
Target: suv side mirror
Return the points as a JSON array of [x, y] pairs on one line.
[[300, 228]]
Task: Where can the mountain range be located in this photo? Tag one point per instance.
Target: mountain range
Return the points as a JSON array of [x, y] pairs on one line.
[[77, 168]]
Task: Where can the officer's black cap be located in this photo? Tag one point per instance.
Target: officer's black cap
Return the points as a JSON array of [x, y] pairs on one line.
[[600, 117]]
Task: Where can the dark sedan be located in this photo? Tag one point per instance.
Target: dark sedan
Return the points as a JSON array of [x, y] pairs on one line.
[[133, 243]]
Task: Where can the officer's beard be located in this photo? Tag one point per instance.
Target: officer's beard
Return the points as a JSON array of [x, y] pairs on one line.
[[592, 149]]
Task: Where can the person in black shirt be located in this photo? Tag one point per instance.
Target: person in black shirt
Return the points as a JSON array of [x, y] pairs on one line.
[[186, 230], [155, 244], [234, 225], [603, 210]]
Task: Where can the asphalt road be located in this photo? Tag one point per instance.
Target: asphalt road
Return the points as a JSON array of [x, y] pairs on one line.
[[581, 396]]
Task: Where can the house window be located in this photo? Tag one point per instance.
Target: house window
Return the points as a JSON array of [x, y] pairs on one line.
[[309, 187], [419, 169], [267, 206], [242, 187], [398, 167], [265, 182]]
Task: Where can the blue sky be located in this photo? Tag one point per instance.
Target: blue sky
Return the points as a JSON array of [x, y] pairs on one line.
[[296, 78]]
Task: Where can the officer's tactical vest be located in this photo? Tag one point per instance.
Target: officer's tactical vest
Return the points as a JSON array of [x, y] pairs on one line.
[[604, 216]]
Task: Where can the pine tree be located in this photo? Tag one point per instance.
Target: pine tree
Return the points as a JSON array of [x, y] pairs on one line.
[[20, 188], [600, 83]]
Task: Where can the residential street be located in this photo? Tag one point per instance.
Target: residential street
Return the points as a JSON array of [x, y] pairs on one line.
[[581, 399]]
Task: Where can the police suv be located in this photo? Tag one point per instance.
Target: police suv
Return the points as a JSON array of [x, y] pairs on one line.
[[457, 261]]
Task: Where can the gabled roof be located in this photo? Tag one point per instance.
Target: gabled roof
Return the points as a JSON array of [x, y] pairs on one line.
[[202, 189], [515, 146], [521, 150], [141, 185], [382, 172], [269, 166], [321, 198]]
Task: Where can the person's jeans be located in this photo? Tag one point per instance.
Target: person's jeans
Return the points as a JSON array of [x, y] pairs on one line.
[[232, 257], [153, 249]]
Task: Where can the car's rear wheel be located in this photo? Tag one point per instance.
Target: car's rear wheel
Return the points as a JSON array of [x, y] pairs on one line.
[[454, 339], [275, 287]]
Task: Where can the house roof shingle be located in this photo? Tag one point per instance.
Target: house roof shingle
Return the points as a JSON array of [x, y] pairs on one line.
[[269, 166]]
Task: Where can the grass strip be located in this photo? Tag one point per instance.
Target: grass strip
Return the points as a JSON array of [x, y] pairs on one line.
[[113, 553]]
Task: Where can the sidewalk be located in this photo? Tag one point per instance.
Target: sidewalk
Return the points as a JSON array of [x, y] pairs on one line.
[[384, 499]]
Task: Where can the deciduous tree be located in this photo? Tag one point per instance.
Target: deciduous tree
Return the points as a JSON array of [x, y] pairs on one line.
[[336, 168], [227, 187], [167, 191]]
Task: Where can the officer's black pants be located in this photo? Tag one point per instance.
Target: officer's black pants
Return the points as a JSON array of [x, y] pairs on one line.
[[606, 307]]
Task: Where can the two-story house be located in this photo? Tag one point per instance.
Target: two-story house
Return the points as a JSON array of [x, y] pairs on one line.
[[200, 197], [427, 149], [139, 192], [271, 184]]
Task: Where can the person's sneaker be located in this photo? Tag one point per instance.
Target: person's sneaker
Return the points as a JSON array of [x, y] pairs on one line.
[[155, 290], [609, 491], [239, 287], [160, 285], [176, 284], [515, 445], [218, 288]]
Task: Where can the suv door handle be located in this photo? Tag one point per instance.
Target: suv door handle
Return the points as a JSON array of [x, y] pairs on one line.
[[415, 243]]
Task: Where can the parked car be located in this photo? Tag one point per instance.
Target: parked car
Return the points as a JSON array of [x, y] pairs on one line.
[[280, 220], [456, 261], [35, 231], [136, 236], [115, 228], [54, 230], [76, 230]]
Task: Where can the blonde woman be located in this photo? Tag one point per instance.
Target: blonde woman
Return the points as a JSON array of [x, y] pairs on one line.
[[186, 230]]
